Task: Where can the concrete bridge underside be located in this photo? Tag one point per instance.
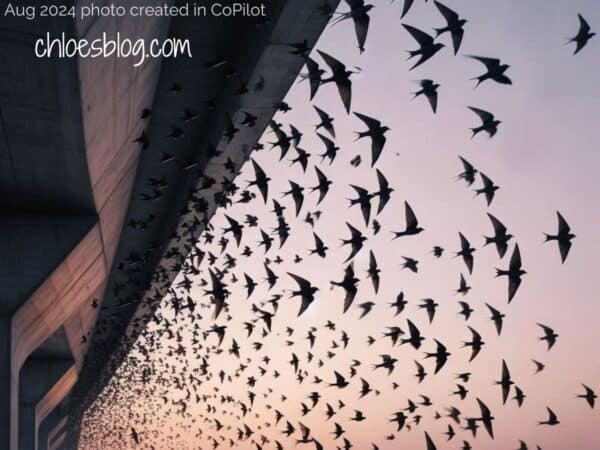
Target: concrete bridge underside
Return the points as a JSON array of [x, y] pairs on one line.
[[83, 229]]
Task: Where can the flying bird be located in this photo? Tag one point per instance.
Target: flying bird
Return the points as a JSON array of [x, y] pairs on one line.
[[514, 273], [589, 396], [377, 134], [341, 77], [441, 356], [488, 190], [454, 25], [583, 35], [468, 173], [552, 418], [489, 124], [428, 46], [356, 241], [549, 335], [359, 13], [563, 237], [505, 382], [349, 284], [430, 90], [306, 292], [495, 70], [500, 238], [412, 224]]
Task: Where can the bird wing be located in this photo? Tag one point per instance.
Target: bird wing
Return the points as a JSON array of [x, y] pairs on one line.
[[303, 283], [489, 63], [564, 247], [505, 372], [515, 259], [298, 198], [584, 27], [377, 145], [370, 122], [329, 144], [547, 330], [336, 66], [383, 182], [249, 284], [449, 15], [499, 227], [323, 184], [484, 115], [429, 442], [339, 379], [486, 416], [305, 431], [513, 287], [261, 180], [365, 206], [361, 28], [421, 37], [457, 37], [345, 91], [353, 231], [412, 329], [466, 164], [563, 226], [383, 186], [314, 76], [411, 218], [349, 299], [433, 100], [406, 7], [322, 114]]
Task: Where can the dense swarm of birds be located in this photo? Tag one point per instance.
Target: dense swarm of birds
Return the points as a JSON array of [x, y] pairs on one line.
[[237, 392]]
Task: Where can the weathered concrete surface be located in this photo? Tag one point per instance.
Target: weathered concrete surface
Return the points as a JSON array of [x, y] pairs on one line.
[[64, 194]]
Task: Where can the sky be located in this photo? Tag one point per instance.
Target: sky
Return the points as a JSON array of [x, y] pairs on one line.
[[544, 158]]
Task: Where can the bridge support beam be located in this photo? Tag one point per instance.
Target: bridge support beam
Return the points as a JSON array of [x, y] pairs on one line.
[[37, 377], [49, 424]]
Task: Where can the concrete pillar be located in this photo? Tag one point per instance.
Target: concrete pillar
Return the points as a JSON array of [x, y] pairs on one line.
[[37, 376], [5, 358], [50, 423], [58, 441], [56, 432]]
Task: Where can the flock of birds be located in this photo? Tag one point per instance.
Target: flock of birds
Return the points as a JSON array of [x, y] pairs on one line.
[[192, 331]]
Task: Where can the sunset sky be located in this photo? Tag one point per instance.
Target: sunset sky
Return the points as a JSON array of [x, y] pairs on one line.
[[545, 158]]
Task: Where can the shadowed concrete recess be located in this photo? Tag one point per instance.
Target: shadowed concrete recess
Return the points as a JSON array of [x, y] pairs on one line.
[[77, 161]]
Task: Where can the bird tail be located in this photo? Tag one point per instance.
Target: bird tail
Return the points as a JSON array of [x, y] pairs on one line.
[[488, 240], [340, 17], [438, 31], [479, 81], [548, 237]]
